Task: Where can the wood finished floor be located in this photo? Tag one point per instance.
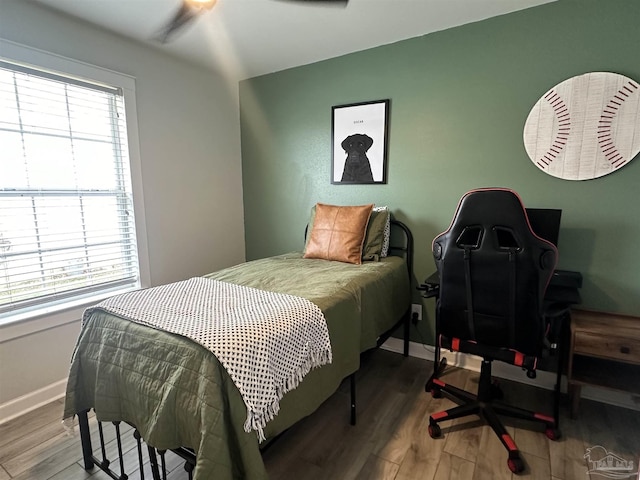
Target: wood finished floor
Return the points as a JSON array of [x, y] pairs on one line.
[[390, 441]]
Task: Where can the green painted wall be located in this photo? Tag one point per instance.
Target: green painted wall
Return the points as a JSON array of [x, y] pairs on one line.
[[459, 100]]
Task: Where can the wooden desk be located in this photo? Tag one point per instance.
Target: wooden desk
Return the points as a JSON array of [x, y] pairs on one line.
[[604, 352]]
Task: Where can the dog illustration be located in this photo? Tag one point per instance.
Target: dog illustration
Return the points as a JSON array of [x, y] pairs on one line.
[[357, 167]]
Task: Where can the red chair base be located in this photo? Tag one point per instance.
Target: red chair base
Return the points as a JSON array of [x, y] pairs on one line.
[[488, 408]]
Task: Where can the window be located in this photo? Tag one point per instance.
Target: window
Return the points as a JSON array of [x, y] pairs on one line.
[[67, 227]]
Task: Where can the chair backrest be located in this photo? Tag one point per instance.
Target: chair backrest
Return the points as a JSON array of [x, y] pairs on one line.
[[493, 271]]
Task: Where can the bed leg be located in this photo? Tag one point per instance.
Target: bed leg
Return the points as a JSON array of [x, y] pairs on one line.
[[163, 463], [188, 467], [352, 381], [119, 443], [104, 464], [85, 440], [153, 460], [190, 460], [138, 437]]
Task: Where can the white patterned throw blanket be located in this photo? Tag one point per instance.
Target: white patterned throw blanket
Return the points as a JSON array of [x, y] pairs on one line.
[[266, 341]]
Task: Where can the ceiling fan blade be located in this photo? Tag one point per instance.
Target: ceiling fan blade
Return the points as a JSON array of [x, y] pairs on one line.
[[180, 18], [184, 15]]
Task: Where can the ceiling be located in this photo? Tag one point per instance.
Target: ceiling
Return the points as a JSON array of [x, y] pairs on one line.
[[246, 38]]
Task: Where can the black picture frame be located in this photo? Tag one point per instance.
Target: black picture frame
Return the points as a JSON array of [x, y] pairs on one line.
[[359, 139]]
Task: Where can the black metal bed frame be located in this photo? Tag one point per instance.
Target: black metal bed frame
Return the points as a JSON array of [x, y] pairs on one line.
[[157, 458]]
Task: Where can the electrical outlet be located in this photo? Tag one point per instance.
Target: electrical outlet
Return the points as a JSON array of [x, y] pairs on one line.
[[416, 308]]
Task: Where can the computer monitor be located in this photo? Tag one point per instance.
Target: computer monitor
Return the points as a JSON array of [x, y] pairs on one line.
[[545, 223]]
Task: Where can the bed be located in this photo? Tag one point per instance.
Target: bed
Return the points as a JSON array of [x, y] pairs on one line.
[[178, 396]]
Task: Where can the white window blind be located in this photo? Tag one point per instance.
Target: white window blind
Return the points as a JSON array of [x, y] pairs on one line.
[[67, 226]]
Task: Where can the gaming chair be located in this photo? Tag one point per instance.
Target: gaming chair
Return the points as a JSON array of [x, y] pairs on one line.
[[493, 272]]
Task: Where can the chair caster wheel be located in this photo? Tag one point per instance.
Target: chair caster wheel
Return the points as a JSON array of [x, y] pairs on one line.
[[516, 465], [434, 430], [552, 433]]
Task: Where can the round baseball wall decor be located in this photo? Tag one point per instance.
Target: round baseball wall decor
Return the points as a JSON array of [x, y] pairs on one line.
[[585, 127]]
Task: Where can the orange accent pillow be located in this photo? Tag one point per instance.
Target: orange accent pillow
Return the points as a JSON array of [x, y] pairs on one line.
[[338, 233]]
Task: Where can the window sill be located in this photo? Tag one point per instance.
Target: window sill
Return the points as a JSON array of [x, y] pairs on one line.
[[37, 320]]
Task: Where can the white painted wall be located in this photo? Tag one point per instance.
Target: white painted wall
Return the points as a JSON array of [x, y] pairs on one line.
[[189, 131]]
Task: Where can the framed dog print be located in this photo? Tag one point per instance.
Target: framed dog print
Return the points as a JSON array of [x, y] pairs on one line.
[[359, 143]]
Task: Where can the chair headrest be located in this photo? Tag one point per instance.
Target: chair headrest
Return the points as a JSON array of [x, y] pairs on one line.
[[493, 218]]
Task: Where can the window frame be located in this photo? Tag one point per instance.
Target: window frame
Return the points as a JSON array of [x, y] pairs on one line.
[[23, 323]]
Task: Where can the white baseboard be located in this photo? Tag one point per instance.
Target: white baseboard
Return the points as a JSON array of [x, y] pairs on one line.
[[543, 379], [24, 404]]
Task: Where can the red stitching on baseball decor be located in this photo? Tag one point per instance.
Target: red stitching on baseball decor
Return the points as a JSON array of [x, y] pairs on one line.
[[560, 141], [617, 162], [605, 137]]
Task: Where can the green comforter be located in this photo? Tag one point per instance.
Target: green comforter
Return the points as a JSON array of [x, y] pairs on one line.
[[177, 394]]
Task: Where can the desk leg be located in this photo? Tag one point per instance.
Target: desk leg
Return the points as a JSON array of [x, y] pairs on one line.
[[557, 390], [574, 396], [562, 341]]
